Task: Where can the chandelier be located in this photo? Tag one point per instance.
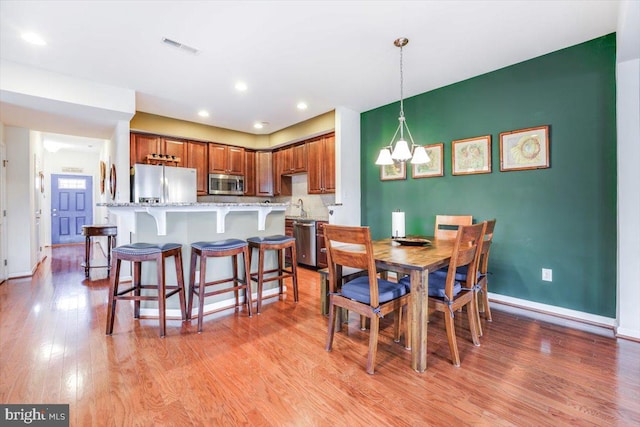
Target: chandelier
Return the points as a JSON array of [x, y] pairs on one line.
[[401, 152]]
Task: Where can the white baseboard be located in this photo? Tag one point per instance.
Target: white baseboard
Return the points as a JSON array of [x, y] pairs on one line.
[[554, 310], [630, 334], [600, 325]]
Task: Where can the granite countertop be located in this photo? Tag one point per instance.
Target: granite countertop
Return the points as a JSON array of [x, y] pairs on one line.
[[195, 204], [314, 218]]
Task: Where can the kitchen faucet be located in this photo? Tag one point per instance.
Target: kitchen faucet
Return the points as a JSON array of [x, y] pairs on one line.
[[303, 213]]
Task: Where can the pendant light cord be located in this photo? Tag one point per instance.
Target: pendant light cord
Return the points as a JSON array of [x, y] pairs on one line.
[[401, 118]]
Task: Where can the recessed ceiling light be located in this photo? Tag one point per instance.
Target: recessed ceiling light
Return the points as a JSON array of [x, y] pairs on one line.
[[203, 113], [260, 125], [241, 86], [302, 106], [34, 38]]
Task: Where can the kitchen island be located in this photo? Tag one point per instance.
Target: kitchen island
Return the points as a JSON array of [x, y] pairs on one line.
[[186, 223]]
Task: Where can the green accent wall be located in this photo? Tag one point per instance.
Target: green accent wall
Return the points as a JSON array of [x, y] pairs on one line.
[[563, 217]]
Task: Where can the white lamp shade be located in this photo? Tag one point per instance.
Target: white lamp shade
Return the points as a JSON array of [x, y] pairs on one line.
[[384, 158], [420, 156], [401, 152]]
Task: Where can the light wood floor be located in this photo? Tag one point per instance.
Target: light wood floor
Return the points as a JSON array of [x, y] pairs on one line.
[[272, 369]]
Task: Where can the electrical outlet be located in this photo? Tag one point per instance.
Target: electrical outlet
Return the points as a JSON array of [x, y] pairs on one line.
[[547, 274]]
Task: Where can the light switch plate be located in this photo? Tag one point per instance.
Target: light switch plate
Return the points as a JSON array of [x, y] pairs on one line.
[[547, 274]]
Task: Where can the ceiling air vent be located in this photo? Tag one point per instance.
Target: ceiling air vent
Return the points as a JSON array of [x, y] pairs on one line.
[[180, 46]]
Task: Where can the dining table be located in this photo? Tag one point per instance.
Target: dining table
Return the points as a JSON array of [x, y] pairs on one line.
[[415, 257]]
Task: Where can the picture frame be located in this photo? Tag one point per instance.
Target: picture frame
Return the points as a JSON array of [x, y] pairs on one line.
[[435, 167], [524, 149], [103, 175], [112, 182], [392, 172], [471, 155], [41, 181]]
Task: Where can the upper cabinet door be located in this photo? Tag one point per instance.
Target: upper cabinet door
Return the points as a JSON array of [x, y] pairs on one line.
[[299, 161], [329, 166], [264, 174], [217, 158], [175, 147], [249, 173], [142, 145], [235, 160], [197, 158], [321, 165], [226, 159]]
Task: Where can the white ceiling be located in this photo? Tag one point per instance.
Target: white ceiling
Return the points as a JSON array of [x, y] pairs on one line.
[[325, 53]]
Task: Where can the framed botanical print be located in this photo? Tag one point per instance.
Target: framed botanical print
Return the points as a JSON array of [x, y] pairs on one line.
[[435, 166], [524, 149], [397, 170], [471, 156]]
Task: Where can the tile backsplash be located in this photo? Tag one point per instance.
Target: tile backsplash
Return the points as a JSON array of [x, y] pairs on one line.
[[316, 205]]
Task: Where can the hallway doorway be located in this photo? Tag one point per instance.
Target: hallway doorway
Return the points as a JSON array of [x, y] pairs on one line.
[[71, 207]]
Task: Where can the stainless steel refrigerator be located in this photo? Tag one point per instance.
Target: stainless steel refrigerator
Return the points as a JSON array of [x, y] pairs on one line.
[[163, 184]]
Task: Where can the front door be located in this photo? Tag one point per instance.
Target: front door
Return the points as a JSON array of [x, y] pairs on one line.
[[71, 207]]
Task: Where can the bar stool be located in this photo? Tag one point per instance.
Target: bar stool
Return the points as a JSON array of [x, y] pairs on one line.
[[137, 253], [221, 248], [277, 243], [111, 231]]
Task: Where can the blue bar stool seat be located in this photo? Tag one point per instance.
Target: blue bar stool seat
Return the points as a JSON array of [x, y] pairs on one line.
[[220, 248], [138, 253], [277, 243]]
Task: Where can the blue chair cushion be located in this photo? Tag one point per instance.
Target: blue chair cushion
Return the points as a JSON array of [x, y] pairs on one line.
[[461, 273], [219, 245], [436, 284], [358, 289], [278, 238], [145, 248]]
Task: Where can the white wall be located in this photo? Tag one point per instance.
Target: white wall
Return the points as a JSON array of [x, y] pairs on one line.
[[46, 91], [346, 211], [628, 121], [19, 202]]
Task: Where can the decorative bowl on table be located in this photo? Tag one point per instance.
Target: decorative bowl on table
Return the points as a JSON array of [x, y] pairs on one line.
[[412, 241]]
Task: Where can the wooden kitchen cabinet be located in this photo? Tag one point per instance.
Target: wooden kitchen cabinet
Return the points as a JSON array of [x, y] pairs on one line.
[[321, 254], [281, 182], [141, 146], [321, 165], [226, 159], [299, 158], [175, 147], [249, 173], [197, 158], [288, 231], [264, 173], [294, 159]]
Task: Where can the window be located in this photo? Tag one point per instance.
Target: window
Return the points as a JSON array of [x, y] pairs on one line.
[[72, 184]]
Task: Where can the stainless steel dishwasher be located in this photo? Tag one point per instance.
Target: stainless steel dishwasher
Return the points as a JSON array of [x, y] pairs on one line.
[[304, 230]]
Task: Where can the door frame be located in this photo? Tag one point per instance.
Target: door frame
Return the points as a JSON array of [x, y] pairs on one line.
[[89, 192], [4, 275]]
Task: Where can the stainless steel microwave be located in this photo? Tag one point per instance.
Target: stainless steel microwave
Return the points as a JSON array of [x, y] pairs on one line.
[[226, 184]]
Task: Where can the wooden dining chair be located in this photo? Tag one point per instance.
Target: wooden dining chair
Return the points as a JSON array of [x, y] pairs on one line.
[[483, 282], [447, 225], [369, 296], [448, 295]]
